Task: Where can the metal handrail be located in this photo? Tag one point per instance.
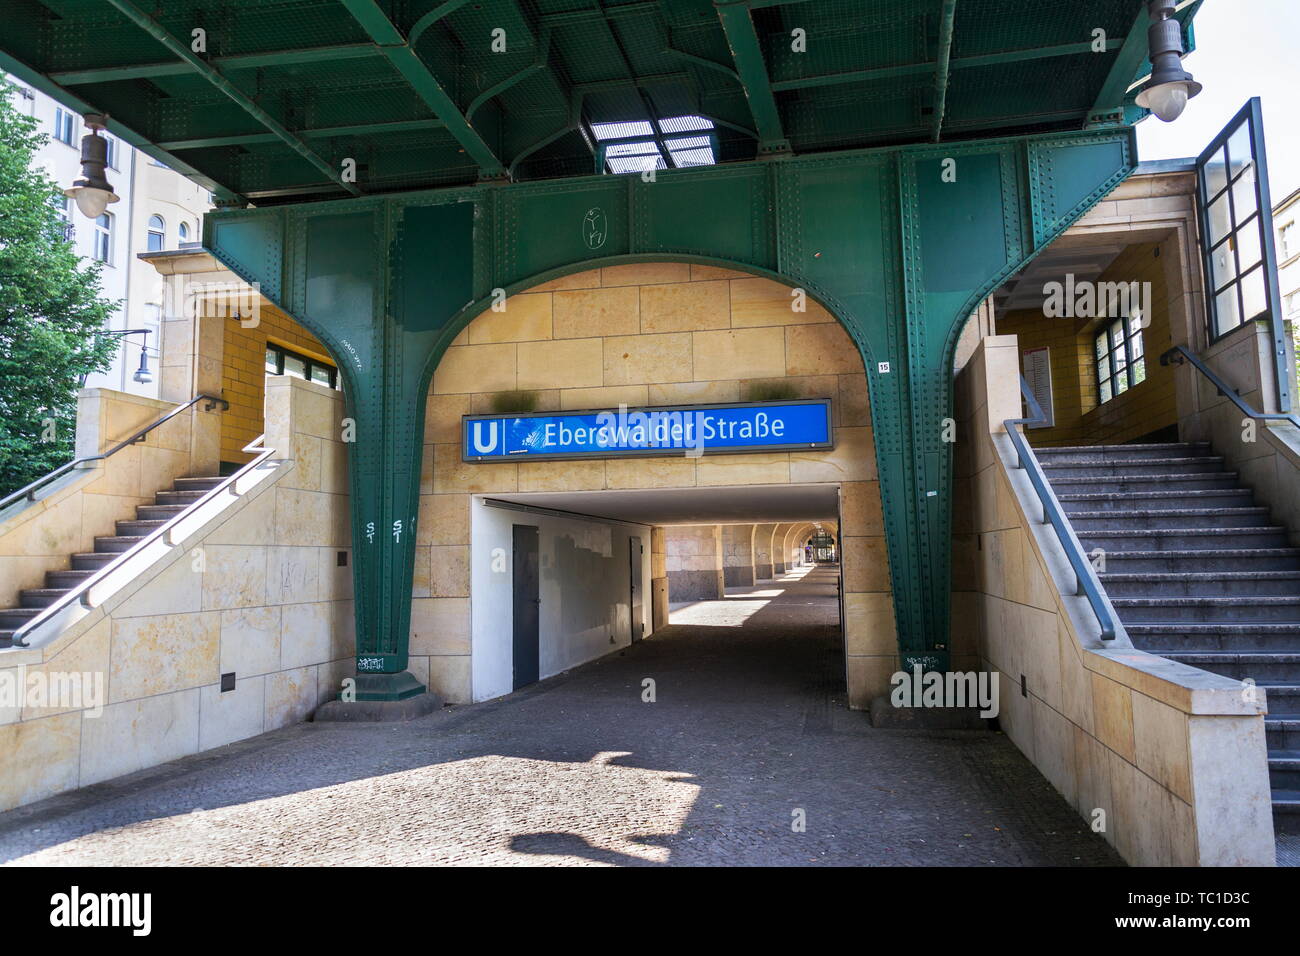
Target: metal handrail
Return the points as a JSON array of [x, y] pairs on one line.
[[81, 593], [1087, 584], [29, 491], [1178, 354]]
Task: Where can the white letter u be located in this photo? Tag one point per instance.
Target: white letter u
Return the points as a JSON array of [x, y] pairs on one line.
[[478, 437]]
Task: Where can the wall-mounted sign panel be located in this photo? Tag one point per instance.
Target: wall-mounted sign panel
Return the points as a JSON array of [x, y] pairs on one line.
[[635, 432]]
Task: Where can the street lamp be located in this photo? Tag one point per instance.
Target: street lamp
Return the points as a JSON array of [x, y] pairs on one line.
[[1170, 87], [142, 374], [92, 191]]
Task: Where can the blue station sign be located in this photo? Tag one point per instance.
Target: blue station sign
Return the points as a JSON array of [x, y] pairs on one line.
[[666, 430]]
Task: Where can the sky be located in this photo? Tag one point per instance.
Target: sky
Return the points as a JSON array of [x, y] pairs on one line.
[[1244, 48]]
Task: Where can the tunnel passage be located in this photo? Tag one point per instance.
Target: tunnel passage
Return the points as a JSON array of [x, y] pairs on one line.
[[655, 335]]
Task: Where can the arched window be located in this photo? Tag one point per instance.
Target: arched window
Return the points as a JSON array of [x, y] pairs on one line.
[[157, 234], [185, 232]]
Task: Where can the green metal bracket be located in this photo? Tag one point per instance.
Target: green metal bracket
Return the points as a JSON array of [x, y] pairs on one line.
[[752, 70], [372, 18], [900, 245]]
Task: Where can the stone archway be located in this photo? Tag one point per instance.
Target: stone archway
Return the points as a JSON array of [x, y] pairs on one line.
[[661, 333]]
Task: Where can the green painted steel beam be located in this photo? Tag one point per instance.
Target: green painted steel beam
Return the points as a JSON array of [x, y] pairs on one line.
[[215, 77], [930, 66], [538, 65], [747, 53], [433, 16], [375, 22], [942, 69], [322, 132], [1109, 102], [242, 61], [897, 252]]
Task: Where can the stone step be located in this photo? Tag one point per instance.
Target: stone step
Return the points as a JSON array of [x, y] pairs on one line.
[[1261, 667], [178, 497], [1094, 453], [1154, 498], [1257, 609], [1282, 733], [16, 617], [40, 597], [1284, 770], [92, 560], [1133, 482], [1225, 559], [67, 579], [6, 637], [1164, 517], [158, 512], [196, 483], [1286, 802], [1056, 468], [1283, 700], [1164, 639], [1185, 539], [1202, 584], [116, 544], [139, 528]]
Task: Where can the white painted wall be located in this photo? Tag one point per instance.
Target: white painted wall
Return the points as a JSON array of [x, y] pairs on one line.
[[584, 587]]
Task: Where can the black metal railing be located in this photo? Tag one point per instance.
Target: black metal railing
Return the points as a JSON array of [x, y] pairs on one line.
[[29, 491], [1179, 354], [1087, 584]]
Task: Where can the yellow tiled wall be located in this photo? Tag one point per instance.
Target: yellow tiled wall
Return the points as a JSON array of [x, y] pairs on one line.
[[655, 334], [1143, 409], [243, 377]]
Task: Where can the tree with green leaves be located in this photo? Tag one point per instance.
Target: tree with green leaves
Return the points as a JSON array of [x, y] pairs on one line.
[[50, 310]]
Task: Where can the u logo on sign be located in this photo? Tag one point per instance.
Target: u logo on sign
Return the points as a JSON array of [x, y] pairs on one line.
[[479, 445]]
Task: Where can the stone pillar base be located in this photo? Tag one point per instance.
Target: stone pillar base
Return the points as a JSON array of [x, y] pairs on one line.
[[374, 711]]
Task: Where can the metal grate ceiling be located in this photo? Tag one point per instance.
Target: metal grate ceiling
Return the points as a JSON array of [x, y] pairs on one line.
[[436, 92]]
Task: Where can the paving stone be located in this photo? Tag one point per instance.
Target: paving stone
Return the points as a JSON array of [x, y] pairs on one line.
[[749, 725]]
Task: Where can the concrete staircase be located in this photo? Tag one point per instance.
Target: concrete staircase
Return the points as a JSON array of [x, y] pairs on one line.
[[167, 504], [1197, 573]]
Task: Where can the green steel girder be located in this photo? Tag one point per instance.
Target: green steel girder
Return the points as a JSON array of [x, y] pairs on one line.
[[375, 22], [943, 68], [747, 53], [333, 53], [895, 247], [218, 80]]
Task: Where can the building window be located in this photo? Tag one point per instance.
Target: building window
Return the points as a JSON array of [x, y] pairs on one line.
[[64, 126], [185, 232], [283, 361], [1235, 227], [111, 151], [157, 234], [63, 206], [1121, 360], [104, 238], [1286, 241], [27, 100]]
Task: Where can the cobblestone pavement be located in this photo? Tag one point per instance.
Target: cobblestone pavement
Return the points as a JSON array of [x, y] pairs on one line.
[[748, 733]]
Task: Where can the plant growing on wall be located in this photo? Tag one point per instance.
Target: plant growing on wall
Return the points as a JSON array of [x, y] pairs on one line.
[[505, 403], [50, 309], [771, 392]]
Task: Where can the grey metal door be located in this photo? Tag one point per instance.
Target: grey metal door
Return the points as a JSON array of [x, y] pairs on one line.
[[527, 602], [635, 552]]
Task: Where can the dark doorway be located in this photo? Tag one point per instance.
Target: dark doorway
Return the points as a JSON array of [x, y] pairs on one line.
[[526, 606], [635, 552]]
